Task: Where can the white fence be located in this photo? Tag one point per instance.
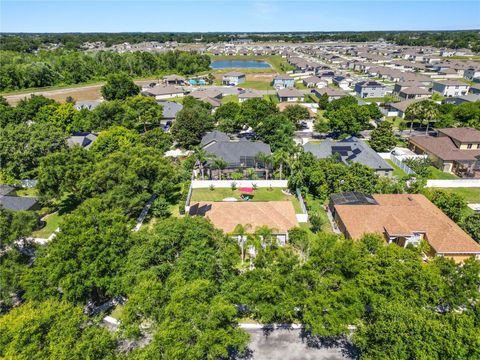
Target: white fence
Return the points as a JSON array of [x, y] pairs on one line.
[[205, 184], [461, 183], [401, 165]]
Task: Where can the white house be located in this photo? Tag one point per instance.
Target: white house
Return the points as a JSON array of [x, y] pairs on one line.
[[289, 95], [233, 78], [450, 87]]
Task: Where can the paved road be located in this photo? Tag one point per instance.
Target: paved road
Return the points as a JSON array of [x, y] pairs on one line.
[[292, 344]]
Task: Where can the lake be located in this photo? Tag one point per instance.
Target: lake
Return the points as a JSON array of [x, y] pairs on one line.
[[227, 64]]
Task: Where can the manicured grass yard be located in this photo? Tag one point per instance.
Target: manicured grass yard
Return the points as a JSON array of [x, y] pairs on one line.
[[396, 170], [440, 175], [230, 98], [471, 195], [52, 223], [258, 85], [261, 194]]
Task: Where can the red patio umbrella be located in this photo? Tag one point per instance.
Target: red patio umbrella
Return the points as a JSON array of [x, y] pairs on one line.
[[247, 190]]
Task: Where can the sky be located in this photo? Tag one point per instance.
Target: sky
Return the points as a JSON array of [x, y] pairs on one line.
[[236, 15]]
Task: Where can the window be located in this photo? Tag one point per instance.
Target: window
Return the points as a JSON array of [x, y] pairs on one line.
[[469, 146]]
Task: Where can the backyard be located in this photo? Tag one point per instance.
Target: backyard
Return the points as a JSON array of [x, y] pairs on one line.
[[260, 194], [52, 223], [396, 170], [471, 195]]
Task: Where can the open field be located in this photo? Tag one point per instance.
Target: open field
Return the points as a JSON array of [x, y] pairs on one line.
[[261, 194]]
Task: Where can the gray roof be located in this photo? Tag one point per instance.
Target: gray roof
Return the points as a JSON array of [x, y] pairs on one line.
[[219, 144], [170, 108], [214, 136], [6, 189], [84, 139], [350, 149], [89, 105], [17, 203]]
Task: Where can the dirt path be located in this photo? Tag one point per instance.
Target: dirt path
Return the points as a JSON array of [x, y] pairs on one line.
[[80, 93]]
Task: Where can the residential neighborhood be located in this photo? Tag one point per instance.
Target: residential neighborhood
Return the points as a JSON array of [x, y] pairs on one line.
[[191, 192]]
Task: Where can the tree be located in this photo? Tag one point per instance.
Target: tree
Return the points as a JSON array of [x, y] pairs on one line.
[[323, 102], [266, 159], [342, 102], [62, 116], [158, 139], [348, 119], [453, 205], [85, 260], [145, 110], [253, 111], [22, 146], [227, 117], [201, 157], [219, 164], [382, 138], [114, 139], [424, 110], [15, 225], [277, 131], [296, 113], [119, 87], [52, 330], [471, 224], [190, 125], [240, 231]]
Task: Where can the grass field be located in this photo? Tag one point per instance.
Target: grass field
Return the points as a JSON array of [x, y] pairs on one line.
[[258, 85], [261, 194], [396, 170], [230, 98], [437, 174], [471, 195], [315, 207], [53, 221]]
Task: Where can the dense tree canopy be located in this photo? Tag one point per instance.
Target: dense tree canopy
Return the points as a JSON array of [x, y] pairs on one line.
[[382, 138], [119, 87], [191, 123]]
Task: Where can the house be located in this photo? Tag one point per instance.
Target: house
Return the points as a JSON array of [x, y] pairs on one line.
[[238, 154], [472, 73], [83, 139], [174, 80], [233, 78], [206, 93], [457, 100], [350, 150], [314, 81], [283, 81], [342, 82], [289, 95], [226, 215], [450, 87], [370, 89], [163, 92], [333, 94], [170, 110], [474, 89], [454, 150], [399, 108], [89, 105], [403, 219], [413, 93], [249, 94], [10, 201]]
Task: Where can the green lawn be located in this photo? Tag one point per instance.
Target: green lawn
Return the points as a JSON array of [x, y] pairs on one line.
[[261, 194], [230, 98], [52, 224], [271, 98], [471, 195], [31, 192], [440, 175], [300, 85], [396, 170], [258, 85], [316, 207]]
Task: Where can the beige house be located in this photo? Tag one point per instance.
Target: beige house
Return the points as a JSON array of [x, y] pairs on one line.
[[403, 219]]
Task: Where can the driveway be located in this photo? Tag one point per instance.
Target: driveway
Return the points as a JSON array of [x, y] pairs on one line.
[[294, 344]]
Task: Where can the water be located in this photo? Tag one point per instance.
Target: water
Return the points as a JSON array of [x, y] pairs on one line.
[[197, 82], [227, 64]]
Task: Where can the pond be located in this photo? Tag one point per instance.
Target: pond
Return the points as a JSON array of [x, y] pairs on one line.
[[226, 64]]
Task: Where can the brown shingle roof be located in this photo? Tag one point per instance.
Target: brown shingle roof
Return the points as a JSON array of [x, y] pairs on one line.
[[444, 148], [462, 134], [402, 214], [279, 215]]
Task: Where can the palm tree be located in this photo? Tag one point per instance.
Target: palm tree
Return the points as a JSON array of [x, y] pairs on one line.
[[265, 234], [219, 164], [266, 159], [280, 157], [241, 232], [424, 110], [201, 156]]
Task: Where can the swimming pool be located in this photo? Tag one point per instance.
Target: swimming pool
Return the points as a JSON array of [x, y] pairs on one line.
[[250, 64], [196, 82]]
